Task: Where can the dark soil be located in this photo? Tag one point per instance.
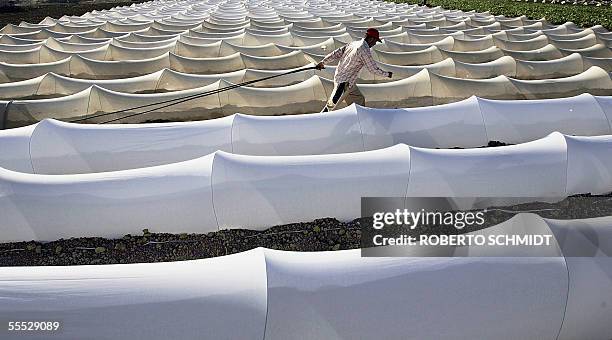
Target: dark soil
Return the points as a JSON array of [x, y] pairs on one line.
[[319, 235]]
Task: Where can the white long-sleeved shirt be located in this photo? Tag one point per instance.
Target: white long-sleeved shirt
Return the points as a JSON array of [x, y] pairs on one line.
[[353, 57]]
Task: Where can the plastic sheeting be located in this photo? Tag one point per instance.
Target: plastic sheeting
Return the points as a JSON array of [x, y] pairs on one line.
[[270, 187], [533, 169], [185, 300], [131, 46], [586, 246], [54, 147], [43, 85], [421, 89], [302, 285], [285, 189], [188, 184], [275, 294]]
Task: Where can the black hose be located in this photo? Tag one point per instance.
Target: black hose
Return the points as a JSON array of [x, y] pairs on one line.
[[179, 100]]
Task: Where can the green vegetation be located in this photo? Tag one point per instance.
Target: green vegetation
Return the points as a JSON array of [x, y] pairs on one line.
[[582, 15]]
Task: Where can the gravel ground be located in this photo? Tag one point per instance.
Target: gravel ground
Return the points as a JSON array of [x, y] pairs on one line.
[[318, 235]]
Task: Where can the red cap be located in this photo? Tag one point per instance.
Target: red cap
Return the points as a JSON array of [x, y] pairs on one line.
[[373, 32]]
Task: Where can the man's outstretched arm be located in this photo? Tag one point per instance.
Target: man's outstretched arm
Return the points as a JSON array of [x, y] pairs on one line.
[[330, 58], [370, 64]]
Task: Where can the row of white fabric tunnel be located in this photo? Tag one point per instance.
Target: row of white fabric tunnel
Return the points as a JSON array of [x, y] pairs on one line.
[[60, 84], [415, 19], [416, 22], [53, 50], [182, 56], [224, 190], [468, 25], [518, 38], [270, 294], [422, 89], [54, 147], [566, 36]]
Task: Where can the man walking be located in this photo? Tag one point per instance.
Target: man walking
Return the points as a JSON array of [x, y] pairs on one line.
[[352, 58]]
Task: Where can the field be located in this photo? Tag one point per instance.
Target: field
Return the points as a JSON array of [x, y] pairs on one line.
[[166, 171]]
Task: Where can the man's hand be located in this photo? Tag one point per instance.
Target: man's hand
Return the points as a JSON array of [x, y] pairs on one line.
[[320, 66], [390, 74]]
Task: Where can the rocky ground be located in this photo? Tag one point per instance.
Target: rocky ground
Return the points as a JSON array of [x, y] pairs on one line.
[[319, 235]]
